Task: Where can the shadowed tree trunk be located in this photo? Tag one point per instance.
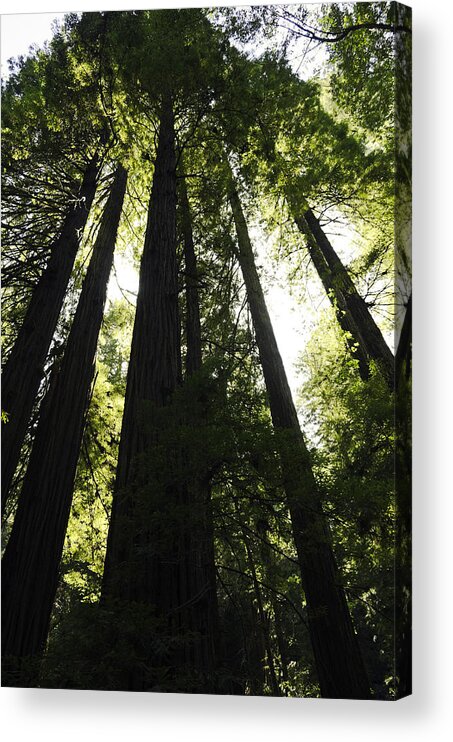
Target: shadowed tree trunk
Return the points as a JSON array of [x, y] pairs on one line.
[[202, 535], [31, 562], [337, 654], [358, 319], [148, 560], [354, 338], [366, 342], [24, 368]]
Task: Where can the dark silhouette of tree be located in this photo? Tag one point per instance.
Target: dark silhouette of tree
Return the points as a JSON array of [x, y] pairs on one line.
[[149, 562], [31, 561], [354, 315], [337, 655], [24, 368]]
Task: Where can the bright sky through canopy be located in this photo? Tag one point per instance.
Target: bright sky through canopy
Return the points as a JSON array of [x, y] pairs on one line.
[[20, 30]]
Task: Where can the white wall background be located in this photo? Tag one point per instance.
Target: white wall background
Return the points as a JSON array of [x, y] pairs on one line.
[[83, 715]]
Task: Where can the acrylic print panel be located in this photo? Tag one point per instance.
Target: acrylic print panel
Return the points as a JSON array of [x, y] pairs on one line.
[[206, 322]]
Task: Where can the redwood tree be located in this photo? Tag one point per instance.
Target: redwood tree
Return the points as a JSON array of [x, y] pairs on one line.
[[199, 489], [345, 319], [24, 368], [31, 561], [358, 319], [149, 559], [337, 654]]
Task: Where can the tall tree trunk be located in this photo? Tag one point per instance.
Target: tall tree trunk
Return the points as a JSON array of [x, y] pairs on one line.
[[337, 654], [367, 334], [153, 375], [199, 490], [31, 562], [23, 371], [354, 340], [148, 558]]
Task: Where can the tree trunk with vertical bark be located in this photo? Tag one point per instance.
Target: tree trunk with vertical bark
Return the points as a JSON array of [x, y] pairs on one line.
[[367, 334], [338, 659], [24, 369], [200, 490], [31, 562], [354, 340], [149, 559]]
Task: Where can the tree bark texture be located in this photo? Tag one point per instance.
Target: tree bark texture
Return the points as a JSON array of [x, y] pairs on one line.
[[338, 660], [362, 326], [24, 369], [31, 562], [355, 340], [150, 552], [200, 489]]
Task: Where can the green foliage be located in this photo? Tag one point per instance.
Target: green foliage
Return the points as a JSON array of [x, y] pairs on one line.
[[351, 423]]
